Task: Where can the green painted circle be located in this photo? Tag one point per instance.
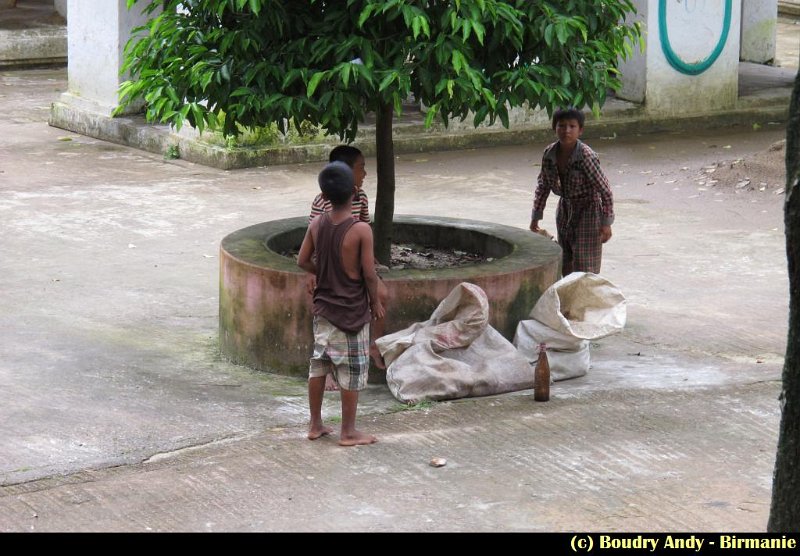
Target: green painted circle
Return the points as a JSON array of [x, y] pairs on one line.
[[674, 60]]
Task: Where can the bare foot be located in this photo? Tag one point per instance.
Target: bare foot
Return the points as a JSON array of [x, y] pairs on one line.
[[318, 432], [330, 384], [377, 359], [357, 439]]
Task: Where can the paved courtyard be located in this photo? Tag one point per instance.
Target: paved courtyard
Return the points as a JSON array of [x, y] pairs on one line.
[[118, 413]]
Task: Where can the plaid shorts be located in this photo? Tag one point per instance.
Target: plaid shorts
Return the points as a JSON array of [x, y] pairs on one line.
[[344, 354]]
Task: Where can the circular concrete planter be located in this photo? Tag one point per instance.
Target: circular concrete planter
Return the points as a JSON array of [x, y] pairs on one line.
[[264, 310]]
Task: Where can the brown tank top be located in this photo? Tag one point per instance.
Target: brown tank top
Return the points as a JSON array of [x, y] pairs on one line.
[[338, 298]]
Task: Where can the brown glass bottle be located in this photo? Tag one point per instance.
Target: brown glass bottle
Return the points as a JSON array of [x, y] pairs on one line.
[[541, 376]]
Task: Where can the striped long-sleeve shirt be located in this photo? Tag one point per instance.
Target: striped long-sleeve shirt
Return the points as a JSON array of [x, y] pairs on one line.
[[360, 207]]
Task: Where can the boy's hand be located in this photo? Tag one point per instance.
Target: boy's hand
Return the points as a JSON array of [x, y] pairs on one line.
[[605, 233], [311, 284], [534, 227], [378, 312]]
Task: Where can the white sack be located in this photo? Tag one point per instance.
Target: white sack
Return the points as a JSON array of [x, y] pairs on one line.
[[569, 357], [454, 354], [582, 305], [460, 318]]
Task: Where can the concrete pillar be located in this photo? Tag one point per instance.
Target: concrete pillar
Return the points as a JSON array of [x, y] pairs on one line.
[[97, 32], [691, 59], [759, 30], [634, 69]]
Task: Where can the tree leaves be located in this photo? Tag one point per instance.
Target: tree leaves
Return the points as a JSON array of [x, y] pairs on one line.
[[246, 63], [314, 83]]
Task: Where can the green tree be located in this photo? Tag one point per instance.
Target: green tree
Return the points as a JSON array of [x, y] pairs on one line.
[[784, 514], [234, 64]]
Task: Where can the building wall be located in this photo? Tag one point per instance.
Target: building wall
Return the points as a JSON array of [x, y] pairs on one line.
[[759, 27], [692, 29], [666, 77]]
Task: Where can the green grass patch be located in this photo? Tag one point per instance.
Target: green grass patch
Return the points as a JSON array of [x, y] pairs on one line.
[[414, 406], [267, 136]]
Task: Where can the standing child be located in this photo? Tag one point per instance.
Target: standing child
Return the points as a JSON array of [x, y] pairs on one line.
[[337, 249], [571, 169], [354, 158]]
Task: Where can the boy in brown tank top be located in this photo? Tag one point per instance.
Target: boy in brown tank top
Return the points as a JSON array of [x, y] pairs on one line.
[[338, 251], [354, 158]]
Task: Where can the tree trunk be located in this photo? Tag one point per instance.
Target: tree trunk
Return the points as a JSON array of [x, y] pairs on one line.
[[784, 514], [384, 200]]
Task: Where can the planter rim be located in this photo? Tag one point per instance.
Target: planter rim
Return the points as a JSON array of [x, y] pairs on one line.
[[527, 248]]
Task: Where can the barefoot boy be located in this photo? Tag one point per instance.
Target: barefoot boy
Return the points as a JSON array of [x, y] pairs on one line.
[[338, 250], [586, 209], [354, 158]]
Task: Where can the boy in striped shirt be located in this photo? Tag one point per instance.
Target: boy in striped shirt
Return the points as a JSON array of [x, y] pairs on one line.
[[355, 159]]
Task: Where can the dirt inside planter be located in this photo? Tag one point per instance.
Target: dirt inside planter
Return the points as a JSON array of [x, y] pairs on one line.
[[420, 257], [410, 255]]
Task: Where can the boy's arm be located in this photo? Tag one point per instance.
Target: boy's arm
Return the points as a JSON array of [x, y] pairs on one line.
[[368, 269], [599, 181], [544, 183], [305, 258]]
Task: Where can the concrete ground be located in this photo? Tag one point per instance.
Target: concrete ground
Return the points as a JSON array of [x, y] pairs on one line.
[[118, 413], [32, 33]]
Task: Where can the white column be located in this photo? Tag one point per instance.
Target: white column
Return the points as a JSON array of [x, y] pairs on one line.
[[97, 31], [634, 69], [759, 30], [691, 62]]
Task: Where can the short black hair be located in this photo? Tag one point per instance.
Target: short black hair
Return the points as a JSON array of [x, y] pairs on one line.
[[336, 182], [346, 153], [569, 113]]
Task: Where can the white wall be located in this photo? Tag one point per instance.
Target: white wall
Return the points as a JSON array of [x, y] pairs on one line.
[[694, 28], [759, 30], [97, 31]]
